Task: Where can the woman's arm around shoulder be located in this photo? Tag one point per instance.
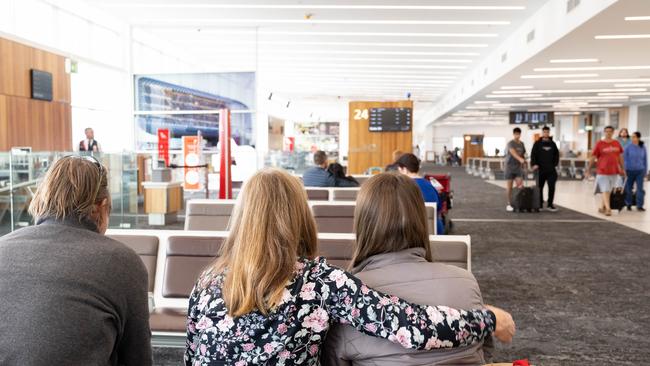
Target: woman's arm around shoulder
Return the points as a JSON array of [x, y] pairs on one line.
[[349, 301]]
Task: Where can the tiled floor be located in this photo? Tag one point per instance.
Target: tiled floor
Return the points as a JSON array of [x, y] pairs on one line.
[[579, 196]]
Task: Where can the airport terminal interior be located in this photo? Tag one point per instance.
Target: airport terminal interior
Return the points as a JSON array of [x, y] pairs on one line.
[[522, 126]]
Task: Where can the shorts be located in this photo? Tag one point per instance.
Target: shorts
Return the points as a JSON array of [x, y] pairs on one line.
[[515, 173], [607, 183]]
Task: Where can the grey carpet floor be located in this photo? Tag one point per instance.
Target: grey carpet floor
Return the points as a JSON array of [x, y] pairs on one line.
[[578, 287]]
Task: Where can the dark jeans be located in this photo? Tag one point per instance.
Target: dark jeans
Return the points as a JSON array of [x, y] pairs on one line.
[[634, 176], [551, 178]]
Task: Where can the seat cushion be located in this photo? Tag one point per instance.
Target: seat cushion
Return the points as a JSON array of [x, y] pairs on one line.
[[187, 257], [168, 320], [345, 194], [318, 194], [450, 252], [210, 209]]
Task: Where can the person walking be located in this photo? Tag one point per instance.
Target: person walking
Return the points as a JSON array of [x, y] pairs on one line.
[[636, 167], [515, 163], [544, 158], [609, 154], [624, 138], [89, 143]]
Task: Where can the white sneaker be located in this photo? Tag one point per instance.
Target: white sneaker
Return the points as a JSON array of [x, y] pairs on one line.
[[510, 208], [552, 208]]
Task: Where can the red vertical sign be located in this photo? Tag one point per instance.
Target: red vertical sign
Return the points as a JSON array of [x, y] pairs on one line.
[[163, 145], [225, 179], [191, 157]]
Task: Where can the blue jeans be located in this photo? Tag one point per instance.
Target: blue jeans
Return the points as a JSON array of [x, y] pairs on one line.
[[634, 176]]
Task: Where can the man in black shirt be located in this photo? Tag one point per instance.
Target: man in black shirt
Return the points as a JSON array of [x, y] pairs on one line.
[[544, 157], [89, 143]]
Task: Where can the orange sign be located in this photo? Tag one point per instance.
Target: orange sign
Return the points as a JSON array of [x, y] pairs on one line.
[[191, 157]]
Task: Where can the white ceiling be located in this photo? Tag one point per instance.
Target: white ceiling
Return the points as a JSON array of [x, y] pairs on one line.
[[326, 49], [595, 85]]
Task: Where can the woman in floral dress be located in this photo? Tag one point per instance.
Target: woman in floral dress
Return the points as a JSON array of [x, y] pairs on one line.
[[268, 300]]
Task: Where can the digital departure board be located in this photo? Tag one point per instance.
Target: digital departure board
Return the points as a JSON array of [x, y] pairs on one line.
[[390, 119], [532, 118]]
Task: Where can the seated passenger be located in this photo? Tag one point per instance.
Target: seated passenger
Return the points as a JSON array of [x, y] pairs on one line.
[[392, 254], [68, 294], [393, 166], [318, 176], [341, 180], [409, 165], [268, 300]]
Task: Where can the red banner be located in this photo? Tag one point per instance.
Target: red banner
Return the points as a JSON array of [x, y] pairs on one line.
[[225, 179], [191, 157], [163, 145]]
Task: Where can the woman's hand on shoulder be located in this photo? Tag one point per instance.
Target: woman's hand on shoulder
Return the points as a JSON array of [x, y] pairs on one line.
[[505, 327]]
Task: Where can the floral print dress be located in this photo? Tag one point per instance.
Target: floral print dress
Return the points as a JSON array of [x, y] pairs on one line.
[[317, 296]]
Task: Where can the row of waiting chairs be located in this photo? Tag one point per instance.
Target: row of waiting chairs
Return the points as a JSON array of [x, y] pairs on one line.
[[174, 260], [331, 217], [493, 168]]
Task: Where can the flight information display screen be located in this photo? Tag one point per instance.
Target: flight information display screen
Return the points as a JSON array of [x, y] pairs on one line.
[[390, 119]]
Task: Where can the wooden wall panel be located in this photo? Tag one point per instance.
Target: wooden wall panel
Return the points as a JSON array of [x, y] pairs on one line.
[[24, 121], [368, 149]]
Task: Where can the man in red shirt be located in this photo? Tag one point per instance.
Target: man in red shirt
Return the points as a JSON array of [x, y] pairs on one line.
[[609, 154]]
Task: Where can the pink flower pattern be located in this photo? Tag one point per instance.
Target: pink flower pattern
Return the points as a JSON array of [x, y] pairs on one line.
[[317, 296]]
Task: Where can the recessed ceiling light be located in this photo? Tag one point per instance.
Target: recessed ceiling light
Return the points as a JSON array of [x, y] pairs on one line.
[[646, 17], [569, 91], [623, 36], [593, 68], [517, 87], [558, 76], [599, 81], [315, 6], [572, 98], [511, 95], [632, 85], [573, 60], [613, 94], [199, 21]]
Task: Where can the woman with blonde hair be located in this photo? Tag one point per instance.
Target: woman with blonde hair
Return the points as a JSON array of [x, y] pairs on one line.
[[68, 294], [268, 300], [392, 254]]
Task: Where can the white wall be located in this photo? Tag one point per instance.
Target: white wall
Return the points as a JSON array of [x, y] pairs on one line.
[[107, 53]]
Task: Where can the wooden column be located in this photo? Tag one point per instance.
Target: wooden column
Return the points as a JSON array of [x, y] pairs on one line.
[[370, 149]]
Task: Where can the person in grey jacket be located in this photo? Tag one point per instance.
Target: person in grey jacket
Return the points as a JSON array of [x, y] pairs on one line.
[[392, 254], [68, 294]]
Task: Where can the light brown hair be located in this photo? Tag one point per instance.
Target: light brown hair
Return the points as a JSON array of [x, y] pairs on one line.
[[390, 216], [397, 154], [71, 188], [271, 227]]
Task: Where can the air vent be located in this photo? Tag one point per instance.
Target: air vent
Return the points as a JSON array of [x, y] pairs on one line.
[[571, 4], [504, 57], [531, 36]]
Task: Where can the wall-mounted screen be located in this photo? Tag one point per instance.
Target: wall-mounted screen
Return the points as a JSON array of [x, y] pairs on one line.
[[41, 85], [532, 118], [390, 119]]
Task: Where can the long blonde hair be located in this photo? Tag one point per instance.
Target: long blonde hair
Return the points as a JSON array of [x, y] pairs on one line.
[[271, 227]]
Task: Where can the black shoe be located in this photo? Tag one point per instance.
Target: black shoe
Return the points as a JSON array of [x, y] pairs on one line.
[[640, 209], [552, 208], [629, 208]]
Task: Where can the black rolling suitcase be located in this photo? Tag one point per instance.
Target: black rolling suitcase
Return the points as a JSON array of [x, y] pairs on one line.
[[617, 199], [526, 198]]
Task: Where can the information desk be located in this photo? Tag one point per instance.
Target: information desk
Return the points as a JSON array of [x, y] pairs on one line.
[[162, 201]]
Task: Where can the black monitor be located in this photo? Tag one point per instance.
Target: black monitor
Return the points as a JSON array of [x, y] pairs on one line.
[[390, 119], [41, 85], [532, 118]]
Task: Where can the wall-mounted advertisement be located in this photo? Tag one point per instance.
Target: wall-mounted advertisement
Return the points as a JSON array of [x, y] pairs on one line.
[[188, 104]]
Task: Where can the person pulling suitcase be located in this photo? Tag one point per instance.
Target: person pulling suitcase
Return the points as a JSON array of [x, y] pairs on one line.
[[544, 159]]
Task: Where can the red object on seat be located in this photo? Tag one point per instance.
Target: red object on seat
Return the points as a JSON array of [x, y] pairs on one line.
[[521, 363]]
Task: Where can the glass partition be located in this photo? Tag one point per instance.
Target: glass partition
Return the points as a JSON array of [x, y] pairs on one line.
[[21, 171]]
